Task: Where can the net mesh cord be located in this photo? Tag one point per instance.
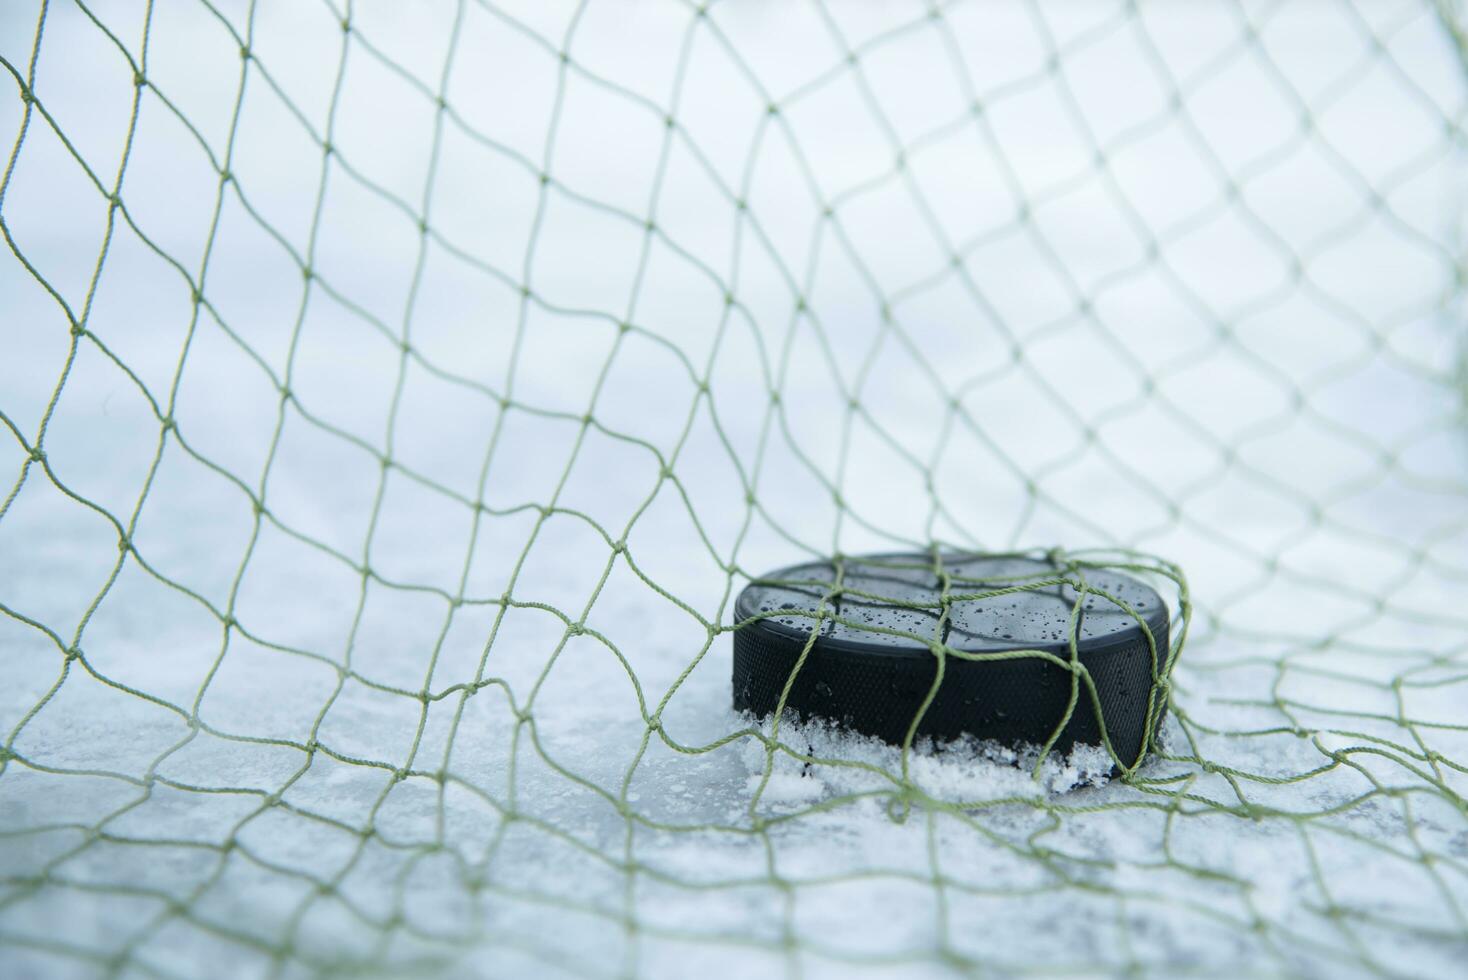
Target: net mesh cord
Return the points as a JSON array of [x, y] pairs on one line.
[[395, 398]]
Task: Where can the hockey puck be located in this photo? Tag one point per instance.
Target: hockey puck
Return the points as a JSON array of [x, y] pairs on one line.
[[881, 623]]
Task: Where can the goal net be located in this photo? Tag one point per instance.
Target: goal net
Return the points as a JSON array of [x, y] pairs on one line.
[[395, 397]]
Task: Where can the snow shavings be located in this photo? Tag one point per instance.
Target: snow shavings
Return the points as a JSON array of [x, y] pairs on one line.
[[837, 762]]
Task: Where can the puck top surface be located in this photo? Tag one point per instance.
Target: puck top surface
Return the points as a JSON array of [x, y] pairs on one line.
[[904, 594]]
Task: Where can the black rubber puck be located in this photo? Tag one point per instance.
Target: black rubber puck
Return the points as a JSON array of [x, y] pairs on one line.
[[873, 660]]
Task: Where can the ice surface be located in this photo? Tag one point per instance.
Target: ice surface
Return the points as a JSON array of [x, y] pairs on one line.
[[1185, 280]]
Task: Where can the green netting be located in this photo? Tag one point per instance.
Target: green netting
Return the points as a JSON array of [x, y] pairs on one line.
[[398, 397]]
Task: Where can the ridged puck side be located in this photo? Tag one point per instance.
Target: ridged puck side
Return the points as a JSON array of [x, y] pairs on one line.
[[871, 665]]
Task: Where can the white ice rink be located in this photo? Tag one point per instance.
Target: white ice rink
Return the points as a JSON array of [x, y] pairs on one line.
[[371, 474]]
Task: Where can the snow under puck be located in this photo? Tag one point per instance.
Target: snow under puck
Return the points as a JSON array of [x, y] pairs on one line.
[[878, 618]]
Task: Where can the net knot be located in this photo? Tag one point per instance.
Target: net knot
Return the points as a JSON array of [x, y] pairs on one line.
[[139, 79], [37, 455]]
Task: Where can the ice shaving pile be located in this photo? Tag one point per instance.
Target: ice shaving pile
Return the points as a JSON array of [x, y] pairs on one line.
[[837, 762]]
